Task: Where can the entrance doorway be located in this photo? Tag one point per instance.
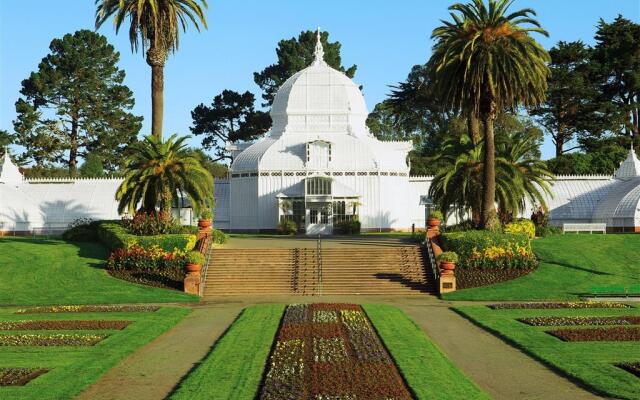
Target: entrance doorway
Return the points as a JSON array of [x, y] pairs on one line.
[[319, 220]]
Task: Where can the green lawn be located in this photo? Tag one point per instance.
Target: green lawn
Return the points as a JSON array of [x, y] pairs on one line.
[[40, 271], [570, 265], [426, 369], [72, 369], [233, 369], [589, 363]]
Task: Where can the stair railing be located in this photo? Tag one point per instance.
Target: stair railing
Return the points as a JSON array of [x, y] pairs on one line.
[[319, 263], [207, 242], [432, 260]]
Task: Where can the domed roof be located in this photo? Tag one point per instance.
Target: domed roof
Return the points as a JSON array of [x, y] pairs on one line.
[[9, 172], [630, 167], [319, 99], [621, 205]]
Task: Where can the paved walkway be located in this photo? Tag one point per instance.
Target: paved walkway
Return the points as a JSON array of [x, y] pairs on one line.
[[501, 370]]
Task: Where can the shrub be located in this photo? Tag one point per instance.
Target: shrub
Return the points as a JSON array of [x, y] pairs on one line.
[[539, 217], [188, 229], [548, 230], [81, 230], [448, 256], [136, 257], [115, 236], [461, 227], [287, 227], [195, 257], [419, 236], [206, 214], [486, 249], [436, 214], [348, 227], [523, 226], [218, 237], [154, 223]]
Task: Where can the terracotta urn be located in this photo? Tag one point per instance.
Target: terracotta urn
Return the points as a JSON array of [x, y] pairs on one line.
[[204, 223], [193, 267], [447, 265], [433, 223]]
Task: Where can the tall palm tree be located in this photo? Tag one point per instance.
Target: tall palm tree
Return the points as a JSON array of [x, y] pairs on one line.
[[158, 171], [486, 61], [155, 26], [520, 177]]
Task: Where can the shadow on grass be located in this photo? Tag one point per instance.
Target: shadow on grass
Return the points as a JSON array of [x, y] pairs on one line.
[[578, 268]]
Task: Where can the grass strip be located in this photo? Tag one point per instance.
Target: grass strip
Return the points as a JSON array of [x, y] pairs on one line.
[[589, 364], [429, 373], [233, 368]]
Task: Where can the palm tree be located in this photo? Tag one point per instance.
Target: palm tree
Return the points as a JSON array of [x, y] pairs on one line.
[[154, 25], [520, 176], [158, 171], [484, 62]]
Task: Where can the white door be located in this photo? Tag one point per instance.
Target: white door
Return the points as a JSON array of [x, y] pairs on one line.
[[319, 221]]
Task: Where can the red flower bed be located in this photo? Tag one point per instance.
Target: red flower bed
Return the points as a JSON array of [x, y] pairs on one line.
[[19, 376], [330, 351], [62, 325], [615, 334], [570, 321]]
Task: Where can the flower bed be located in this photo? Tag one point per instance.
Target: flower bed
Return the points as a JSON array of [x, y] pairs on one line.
[[62, 325], [86, 309], [56, 339], [19, 376], [330, 352], [475, 277], [615, 334], [633, 367], [556, 305], [576, 321]]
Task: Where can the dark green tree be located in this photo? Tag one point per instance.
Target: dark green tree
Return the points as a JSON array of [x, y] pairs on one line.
[[617, 58], [231, 117], [570, 108], [92, 166], [293, 55], [5, 140], [76, 103]]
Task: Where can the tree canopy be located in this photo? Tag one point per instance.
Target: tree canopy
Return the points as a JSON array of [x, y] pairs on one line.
[[75, 104]]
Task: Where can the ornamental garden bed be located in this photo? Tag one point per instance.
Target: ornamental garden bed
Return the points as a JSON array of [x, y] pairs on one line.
[[330, 351], [611, 334], [571, 321], [557, 305], [633, 367], [471, 278], [63, 325], [170, 278], [87, 309], [54, 339], [19, 376]]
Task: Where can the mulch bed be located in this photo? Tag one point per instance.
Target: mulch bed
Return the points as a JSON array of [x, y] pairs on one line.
[[571, 321], [330, 352], [86, 309], [19, 376], [557, 305], [475, 277], [633, 368], [166, 279], [62, 325], [615, 334], [57, 339]]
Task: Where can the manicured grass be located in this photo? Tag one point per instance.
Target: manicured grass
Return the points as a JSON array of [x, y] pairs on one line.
[[233, 369], [589, 363], [72, 369], [570, 266], [425, 368], [40, 271]]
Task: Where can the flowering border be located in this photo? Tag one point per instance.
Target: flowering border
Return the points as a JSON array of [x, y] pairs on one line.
[[613, 334], [557, 305], [19, 376], [86, 309], [55, 339], [63, 325], [578, 321]]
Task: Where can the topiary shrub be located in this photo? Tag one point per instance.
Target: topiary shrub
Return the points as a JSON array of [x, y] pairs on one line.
[[523, 226], [115, 236], [486, 249], [347, 227], [81, 230], [287, 227]]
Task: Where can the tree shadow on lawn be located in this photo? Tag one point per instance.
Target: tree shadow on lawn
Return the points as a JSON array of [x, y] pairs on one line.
[[576, 267]]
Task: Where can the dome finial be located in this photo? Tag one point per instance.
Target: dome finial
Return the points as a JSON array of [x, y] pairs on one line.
[[319, 51]]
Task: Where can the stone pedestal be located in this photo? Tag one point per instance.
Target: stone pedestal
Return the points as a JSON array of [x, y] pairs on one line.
[[447, 281], [192, 283]]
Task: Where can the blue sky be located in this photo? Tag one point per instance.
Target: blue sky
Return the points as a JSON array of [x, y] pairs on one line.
[[384, 39]]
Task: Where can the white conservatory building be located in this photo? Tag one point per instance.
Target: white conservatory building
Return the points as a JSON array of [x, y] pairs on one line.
[[318, 165]]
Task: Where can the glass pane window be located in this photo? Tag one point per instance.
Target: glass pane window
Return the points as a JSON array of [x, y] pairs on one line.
[[318, 186]]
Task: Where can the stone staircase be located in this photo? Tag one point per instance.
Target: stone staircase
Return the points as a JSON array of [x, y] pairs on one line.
[[359, 270]]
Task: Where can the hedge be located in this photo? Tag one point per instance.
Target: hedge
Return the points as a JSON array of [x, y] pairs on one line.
[[114, 236]]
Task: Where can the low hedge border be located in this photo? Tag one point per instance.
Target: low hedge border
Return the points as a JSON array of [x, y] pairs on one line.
[[115, 236]]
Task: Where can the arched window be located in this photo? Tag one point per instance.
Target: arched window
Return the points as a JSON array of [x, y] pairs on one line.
[[318, 154], [318, 186]]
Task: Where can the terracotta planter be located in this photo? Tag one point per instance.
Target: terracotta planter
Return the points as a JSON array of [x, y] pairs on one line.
[[433, 223], [447, 265], [204, 223], [193, 267]]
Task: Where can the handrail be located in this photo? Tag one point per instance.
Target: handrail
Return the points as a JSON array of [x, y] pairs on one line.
[[319, 262], [203, 273], [432, 259]]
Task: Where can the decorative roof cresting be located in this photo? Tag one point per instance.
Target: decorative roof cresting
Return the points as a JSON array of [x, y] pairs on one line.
[[630, 167], [9, 172], [319, 51]]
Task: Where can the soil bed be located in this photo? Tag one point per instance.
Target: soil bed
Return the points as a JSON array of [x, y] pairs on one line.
[[19, 376], [615, 334], [167, 279], [330, 351], [467, 278], [86, 309], [633, 368], [557, 305], [576, 321], [62, 325]]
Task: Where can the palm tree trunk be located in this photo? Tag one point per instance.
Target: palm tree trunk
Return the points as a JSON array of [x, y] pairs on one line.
[[489, 217], [156, 58], [473, 126]]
